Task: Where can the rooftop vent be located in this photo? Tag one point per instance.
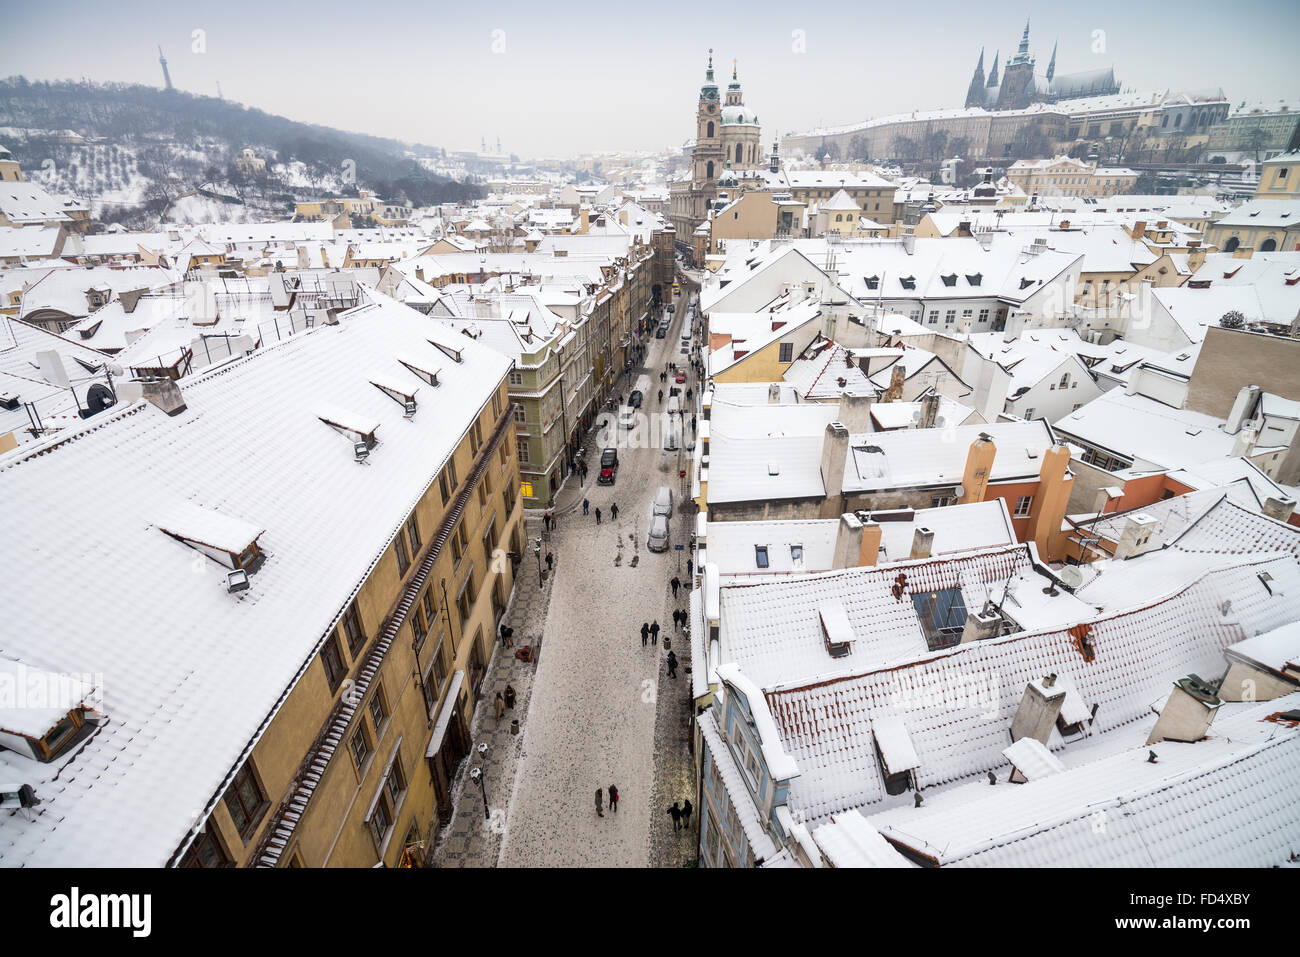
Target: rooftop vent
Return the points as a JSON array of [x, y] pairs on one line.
[[237, 581], [836, 630]]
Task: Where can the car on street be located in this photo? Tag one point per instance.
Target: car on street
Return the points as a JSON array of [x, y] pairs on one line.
[[663, 503], [657, 540], [626, 417], [608, 466], [672, 308], [661, 332], [681, 376]]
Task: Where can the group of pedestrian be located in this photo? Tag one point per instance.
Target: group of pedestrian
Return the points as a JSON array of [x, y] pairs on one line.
[[548, 519], [680, 618], [613, 800], [681, 814], [504, 701], [649, 631]]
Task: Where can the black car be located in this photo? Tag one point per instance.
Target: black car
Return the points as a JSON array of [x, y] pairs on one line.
[[608, 466], [661, 332]]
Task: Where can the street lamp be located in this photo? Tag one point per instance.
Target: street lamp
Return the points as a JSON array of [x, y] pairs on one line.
[[537, 550]]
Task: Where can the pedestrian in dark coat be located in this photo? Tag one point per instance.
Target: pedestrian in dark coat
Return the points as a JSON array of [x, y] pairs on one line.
[[550, 560], [686, 813], [613, 799], [645, 632], [599, 795], [654, 633], [692, 421], [676, 813], [672, 665], [613, 512], [675, 583], [690, 566], [585, 503], [676, 620], [597, 515], [661, 396]]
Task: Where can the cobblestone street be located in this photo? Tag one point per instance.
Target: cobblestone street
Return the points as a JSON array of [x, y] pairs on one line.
[[597, 708]]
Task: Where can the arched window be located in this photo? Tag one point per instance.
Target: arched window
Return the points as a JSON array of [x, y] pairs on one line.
[[709, 135], [738, 154], [1232, 243], [1178, 121], [1268, 245], [709, 170], [1164, 120]]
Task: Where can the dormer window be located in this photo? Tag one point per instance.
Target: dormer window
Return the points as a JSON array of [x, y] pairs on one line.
[[401, 394], [230, 541], [454, 354], [760, 556], [949, 280], [361, 430], [873, 282], [974, 279], [907, 282]]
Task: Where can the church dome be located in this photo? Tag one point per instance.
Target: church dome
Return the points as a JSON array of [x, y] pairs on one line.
[[738, 116], [728, 179]]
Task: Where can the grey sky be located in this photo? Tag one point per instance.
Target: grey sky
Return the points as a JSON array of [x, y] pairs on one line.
[[554, 79]]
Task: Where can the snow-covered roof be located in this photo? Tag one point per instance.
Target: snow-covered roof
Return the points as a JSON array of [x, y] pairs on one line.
[[196, 679], [848, 840], [1146, 431]]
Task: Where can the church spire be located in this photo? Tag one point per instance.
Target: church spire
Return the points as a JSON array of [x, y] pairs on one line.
[[975, 92], [708, 75], [1024, 40], [1051, 64], [993, 73]]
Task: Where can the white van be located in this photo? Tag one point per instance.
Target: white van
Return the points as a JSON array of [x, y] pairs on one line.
[[674, 404], [672, 434]]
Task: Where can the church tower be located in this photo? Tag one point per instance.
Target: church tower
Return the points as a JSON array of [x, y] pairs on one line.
[[975, 93], [993, 73], [739, 127], [1017, 90], [707, 159]]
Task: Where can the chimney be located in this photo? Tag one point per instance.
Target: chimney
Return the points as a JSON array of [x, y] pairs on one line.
[[584, 219], [835, 449], [1039, 708], [1187, 714], [164, 393], [1138, 536], [922, 542], [855, 413], [848, 542], [980, 626], [870, 553], [1242, 408], [929, 411], [1139, 229], [774, 394], [1050, 503], [897, 375], [1105, 496], [909, 243], [1245, 443], [1195, 258], [419, 273], [1280, 508], [979, 465]]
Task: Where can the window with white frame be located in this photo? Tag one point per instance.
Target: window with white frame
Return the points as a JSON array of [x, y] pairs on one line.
[[1023, 505]]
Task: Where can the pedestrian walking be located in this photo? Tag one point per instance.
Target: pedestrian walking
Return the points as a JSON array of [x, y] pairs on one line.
[[689, 566], [675, 620], [599, 809], [675, 811], [598, 515], [500, 705], [550, 560], [686, 813], [613, 799], [675, 583], [688, 394], [585, 503], [672, 665], [507, 635], [645, 632], [613, 511], [510, 697], [692, 421], [661, 396], [654, 633]]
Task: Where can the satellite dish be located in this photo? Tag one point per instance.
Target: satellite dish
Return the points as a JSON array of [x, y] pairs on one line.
[[939, 422], [959, 491], [916, 415], [98, 398], [1070, 576]]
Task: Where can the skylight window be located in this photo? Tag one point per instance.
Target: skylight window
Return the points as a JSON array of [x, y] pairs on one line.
[[942, 614], [760, 556]]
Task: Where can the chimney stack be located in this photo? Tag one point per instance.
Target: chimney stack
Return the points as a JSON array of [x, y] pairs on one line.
[[929, 411], [922, 542], [870, 553], [979, 465], [1039, 708], [1187, 714], [1138, 536], [980, 626], [1139, 229], [848, 542], [1275, 506], [774, 394], [897, 375], [1242, 408], [835, 449], [909, 243], [164, 393]]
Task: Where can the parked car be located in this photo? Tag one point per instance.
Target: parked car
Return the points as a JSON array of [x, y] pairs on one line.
[[671, 308], [663, 504], [626, 417], [657, 540], [661, 332], [608, 466], [681, 376]]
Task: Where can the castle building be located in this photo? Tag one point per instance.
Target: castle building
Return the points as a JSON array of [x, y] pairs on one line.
[[1019, 86], [727, 134]]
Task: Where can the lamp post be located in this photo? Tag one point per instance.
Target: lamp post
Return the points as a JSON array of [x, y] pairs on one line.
[[537, 550], [477, 775]]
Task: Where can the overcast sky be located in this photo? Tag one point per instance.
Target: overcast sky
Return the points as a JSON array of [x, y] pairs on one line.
[[554, 79]]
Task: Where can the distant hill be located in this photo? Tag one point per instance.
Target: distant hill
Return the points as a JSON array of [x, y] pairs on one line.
[[133, 150]]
